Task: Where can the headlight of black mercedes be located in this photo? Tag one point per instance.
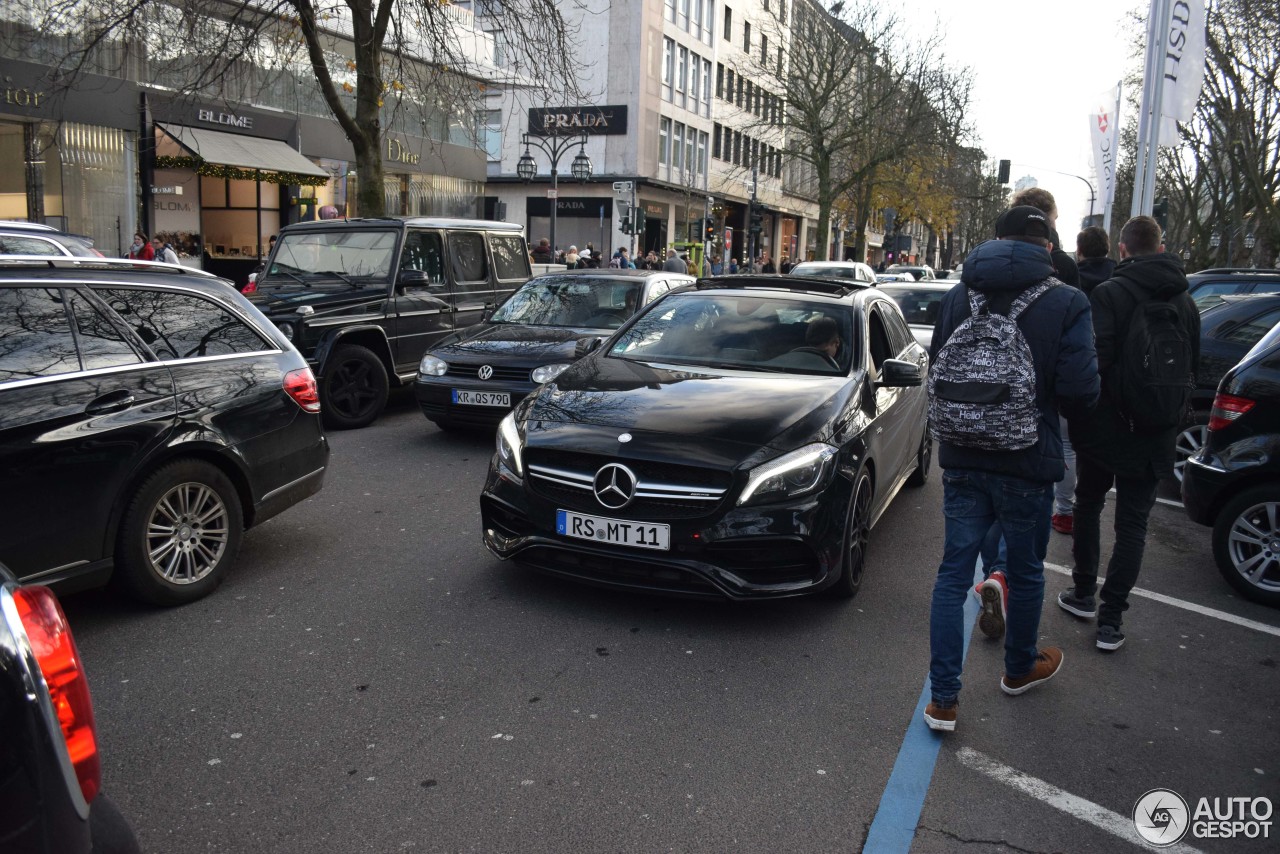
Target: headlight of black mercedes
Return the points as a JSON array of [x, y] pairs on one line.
[[792, 475]]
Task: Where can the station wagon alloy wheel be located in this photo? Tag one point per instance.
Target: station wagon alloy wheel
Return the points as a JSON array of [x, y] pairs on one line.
[[1246, 544], [181, 532], [187, 534], [1189, 442]]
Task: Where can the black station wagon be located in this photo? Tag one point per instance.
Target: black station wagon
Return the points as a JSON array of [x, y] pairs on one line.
[[149, 415]]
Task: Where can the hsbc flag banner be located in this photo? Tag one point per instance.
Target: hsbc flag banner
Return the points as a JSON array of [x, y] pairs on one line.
[[1104, 131], [1183, 65]]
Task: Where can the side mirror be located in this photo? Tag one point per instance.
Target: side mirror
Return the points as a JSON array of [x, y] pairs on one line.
[[586, 346], [896, 373], [412, 279]]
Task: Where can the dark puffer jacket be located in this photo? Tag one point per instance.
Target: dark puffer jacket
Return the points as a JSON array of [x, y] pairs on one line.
[[1060, 334], [1064, 266], [1106, 438], [1095, 271]]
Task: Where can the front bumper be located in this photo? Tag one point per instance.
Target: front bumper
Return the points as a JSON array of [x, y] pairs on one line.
[[435, 399], [737, 553]]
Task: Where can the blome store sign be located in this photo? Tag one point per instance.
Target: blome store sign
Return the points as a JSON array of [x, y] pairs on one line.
[[1163, 818]]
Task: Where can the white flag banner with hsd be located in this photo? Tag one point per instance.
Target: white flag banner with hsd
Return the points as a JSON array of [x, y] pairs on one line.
[[1104, 132], [1183, 65]]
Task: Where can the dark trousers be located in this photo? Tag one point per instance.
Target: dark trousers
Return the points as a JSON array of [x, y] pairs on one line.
[[1135, 496]]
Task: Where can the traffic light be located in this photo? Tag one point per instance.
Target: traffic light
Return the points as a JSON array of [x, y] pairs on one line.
[[1003, 177], [756, 220], [1160, 213], [709, 228]]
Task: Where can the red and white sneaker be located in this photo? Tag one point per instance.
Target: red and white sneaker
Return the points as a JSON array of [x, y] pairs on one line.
[[994, 593]]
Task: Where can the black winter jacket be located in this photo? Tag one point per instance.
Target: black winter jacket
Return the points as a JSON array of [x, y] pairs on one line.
[[1059, 332], [1106, 438], [1095, 271], [1064, 266]]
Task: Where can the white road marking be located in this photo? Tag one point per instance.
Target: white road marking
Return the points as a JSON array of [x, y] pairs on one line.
[[1074, 806], [1189, 606]]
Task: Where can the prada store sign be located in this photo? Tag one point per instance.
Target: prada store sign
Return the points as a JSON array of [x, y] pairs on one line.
[[572, 121]]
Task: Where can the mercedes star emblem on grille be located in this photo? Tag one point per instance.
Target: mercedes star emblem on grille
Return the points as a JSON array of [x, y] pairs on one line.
[[614, 486], [485, 372]]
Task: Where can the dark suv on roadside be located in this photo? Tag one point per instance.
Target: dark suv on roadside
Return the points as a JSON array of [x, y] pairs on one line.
[[149, 415], [1233, 482], [1207, 287], [363, 299]]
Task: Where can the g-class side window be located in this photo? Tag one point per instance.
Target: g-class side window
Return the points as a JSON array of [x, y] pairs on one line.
[[424, 250], [510, 257], [469, 261]]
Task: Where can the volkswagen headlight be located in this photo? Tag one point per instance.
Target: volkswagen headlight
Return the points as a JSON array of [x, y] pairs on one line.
[[792, 475], [430, 366], [285, 327], [547, 373], [509, 446]]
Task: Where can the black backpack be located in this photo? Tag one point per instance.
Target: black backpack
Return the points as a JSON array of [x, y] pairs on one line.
[[1154, 375]]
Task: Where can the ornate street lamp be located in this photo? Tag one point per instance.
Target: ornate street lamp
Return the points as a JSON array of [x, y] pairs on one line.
[[1215, 240], [554, 147], [1250, 241]]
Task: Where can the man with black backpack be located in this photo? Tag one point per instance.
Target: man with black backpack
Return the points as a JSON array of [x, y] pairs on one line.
[[1148, 340], [1012, 350]]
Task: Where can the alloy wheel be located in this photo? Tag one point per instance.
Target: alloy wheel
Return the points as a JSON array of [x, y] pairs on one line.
[[1253, 544], [1187, 445], [859, 530], [187, 533], [353, 389]]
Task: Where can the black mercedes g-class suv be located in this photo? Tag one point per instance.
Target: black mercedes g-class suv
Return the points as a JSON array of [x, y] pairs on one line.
[[363, 299]]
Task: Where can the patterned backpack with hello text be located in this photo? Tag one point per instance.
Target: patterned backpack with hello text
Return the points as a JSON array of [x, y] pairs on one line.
[[982, 388]]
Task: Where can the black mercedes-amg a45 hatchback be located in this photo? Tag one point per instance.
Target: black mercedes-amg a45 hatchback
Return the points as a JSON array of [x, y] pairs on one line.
[[737, 439]]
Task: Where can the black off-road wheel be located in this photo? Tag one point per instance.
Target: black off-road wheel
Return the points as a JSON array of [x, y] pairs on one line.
[[181, 531], [354, 389], [857, 536]]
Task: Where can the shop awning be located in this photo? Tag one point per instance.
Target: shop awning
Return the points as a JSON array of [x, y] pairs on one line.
[[243, 152]]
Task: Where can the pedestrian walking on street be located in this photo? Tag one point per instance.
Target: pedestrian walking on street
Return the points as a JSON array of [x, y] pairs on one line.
[[141, 249], [673, 264], [1064, 265], [542, 252], [1148, 339], [1092, 248], [162, 251], [994, 409]]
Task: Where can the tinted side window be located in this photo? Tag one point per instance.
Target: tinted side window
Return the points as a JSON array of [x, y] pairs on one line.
[[11, 244], [881, 349], [102, 344], [423, 250], [470, 265], [899, 335], [510, 258], [35, 335], [182, 326], [1250, 332]]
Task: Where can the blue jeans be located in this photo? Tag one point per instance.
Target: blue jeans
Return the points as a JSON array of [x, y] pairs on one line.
[[993, 552], [973, 501]]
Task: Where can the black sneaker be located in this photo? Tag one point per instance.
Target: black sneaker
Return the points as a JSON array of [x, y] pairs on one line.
[[1110, 638], [1081, 606]]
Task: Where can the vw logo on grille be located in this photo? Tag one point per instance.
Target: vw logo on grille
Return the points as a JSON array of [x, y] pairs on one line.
[[614, 486], [485, 372]]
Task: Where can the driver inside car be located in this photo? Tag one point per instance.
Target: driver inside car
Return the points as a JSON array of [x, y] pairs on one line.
[[822, 336]]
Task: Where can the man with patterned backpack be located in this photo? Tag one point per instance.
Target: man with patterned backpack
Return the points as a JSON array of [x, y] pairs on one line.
[[1012, 349]]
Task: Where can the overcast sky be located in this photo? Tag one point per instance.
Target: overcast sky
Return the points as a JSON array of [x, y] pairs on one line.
[[1039, 69]]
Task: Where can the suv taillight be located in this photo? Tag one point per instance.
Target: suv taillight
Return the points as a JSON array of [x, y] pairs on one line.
[[1227, 408], [59, 660], [301, 386]]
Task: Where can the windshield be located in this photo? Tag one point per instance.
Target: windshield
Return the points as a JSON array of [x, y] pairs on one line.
[[920, 306], [585, 301], [745, 331], [341, 256]]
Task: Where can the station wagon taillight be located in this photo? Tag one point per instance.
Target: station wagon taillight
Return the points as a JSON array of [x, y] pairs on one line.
[[301, 386], [55, 651], [1227, 408]]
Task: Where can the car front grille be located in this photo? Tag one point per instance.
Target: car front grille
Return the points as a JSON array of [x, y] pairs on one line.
[[614, 569], [663, 491], [500, 373]]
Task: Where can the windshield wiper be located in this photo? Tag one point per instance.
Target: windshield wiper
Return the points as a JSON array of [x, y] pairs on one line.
[[267, 276], [338, 275]]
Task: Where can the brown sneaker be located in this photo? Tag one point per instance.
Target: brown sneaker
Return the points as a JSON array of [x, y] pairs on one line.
[[1047, 664], [941, 719]]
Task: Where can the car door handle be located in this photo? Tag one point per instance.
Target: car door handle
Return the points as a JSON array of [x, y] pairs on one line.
[[112, 401]]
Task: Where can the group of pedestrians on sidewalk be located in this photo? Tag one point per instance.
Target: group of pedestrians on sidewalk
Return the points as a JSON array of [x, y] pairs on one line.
[[1034, 356]]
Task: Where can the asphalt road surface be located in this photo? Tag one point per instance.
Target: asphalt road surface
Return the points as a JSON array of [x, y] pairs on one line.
[[370, 679]]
